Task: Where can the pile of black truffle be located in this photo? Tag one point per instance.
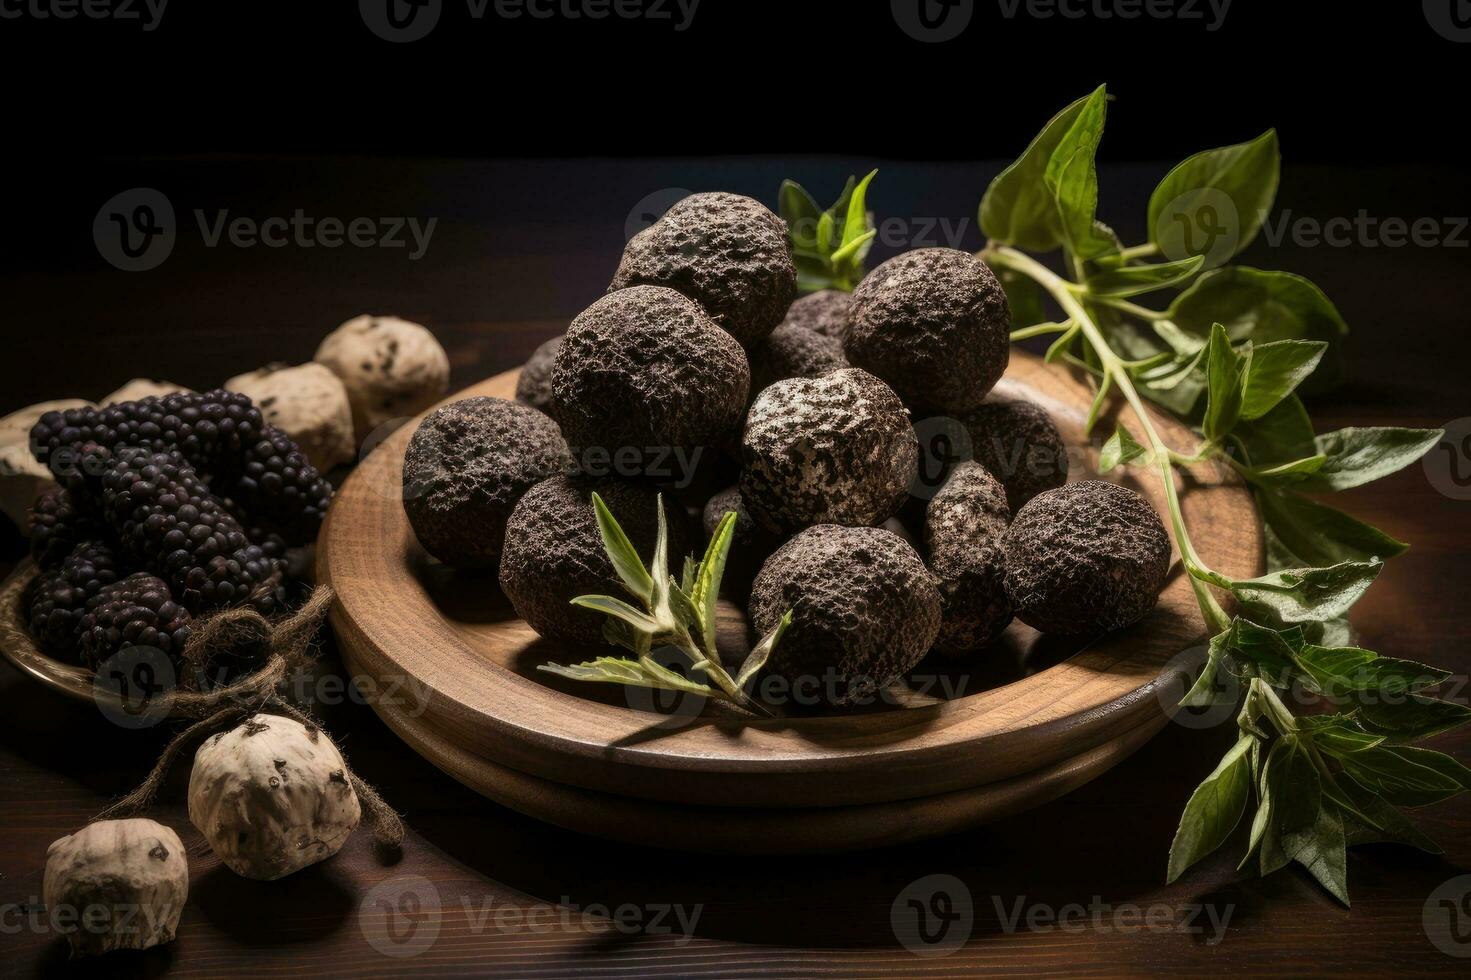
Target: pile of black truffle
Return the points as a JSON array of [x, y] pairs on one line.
[[699, 377], [166, 508]]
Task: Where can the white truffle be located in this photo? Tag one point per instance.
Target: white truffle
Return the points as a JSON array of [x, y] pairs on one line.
[[116, 884], [141, 388], [22, 476], [392, 369], [307, 402], [272, 796]]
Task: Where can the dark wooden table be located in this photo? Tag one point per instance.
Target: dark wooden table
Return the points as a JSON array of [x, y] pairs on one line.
[[518, 898]]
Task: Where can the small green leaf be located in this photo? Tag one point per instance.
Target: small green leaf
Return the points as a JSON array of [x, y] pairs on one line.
[[1214, 809], [1340, 671], [618, 608], [1337, 733], [800, 212], [1135, 280], [1286, 474], [1356, 456], [1321, 850], [1411, 717], [659, 596], [1370, 819], [855, 225], [1320, 535], [1246, 174], [1305, 595], [758, 656], [1274, 372], [1223, 371], [1282, 435], [634, 673], [621, 552], [1017, 208], [1119, 450], [706, 592], [1060, 346], [1072, 178], [1406, 776]]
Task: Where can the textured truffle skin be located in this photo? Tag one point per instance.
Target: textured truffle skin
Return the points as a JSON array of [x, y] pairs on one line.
[[272, 796], [643, 371], [1085, 559], [392, 369], [864, 609], [554, 553], [794, 352], [837, 449], [935, 325], [534, 385], [466, 466], [139, 611], [727, 252], [135, 869], [59, 597], [964, 524], [824, 312], [1017, 441]]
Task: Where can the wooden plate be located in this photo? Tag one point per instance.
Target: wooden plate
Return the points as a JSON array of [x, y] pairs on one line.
[[444, 650]]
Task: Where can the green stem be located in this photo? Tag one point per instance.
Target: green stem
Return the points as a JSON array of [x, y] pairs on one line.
[[1133, 309], [1040, 330], [1113, 366], [1144, 251]]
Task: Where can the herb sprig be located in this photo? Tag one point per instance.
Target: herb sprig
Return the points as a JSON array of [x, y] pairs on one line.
[[829, 246], [674, 613], [1229, 353]]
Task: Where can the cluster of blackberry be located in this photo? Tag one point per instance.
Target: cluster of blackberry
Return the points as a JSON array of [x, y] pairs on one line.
[[168, 507]]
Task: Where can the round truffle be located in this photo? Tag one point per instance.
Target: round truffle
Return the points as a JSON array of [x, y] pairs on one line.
[[934, 324], [864, 610], [963, 527], [1017, 441], [837, 449], [534, 386], [642, 372], [307, 402], [824, 312], [794, 352], [554, 553], [465, 468], [727, 252], [1085, 558], [392, 369]]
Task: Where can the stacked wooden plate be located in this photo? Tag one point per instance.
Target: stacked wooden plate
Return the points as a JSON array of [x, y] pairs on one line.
[[452, 670]]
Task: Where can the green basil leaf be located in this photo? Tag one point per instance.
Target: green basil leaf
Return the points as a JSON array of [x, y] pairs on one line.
[[1406, 776], [1017, 208], [1361, 455], [1204, 692], [1245, 175], [1287, 474], [1223, 377], [1135, 280], [1272, 651], [1119, 450], [1305, 595], [1412, 717], [1296, 791], [1321, 849], [1320, 535], [1274, 371], [1072, 178], [1214, 809], [1337, 733], [800, 212], [1281, 435], [1339, 671], [1370, 819]]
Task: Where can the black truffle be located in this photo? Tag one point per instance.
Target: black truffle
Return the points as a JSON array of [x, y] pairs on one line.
[[554, 553], [837, 449], [466, 466], [139, 611], [824, 312], [964, 524], [934, 324], [727, 252], [534, 385], [794, 352], [1017, 441], [643, 372], [1085, 559], [864, 610], [58, 597]]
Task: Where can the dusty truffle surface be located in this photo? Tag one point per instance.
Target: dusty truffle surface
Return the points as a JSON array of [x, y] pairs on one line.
[[964, 524], [864, 610], [554, 553], [727, 252], [935, 325], [837, 449], [392, 369], [794, 352], [1085, 558], [1017, 441], [466, 466], [534, 385], [824, 312], [642, 371]]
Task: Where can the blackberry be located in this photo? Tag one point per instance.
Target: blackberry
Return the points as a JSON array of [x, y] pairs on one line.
[[59, 521], [167, 520], [58, 597], [139, 611]]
